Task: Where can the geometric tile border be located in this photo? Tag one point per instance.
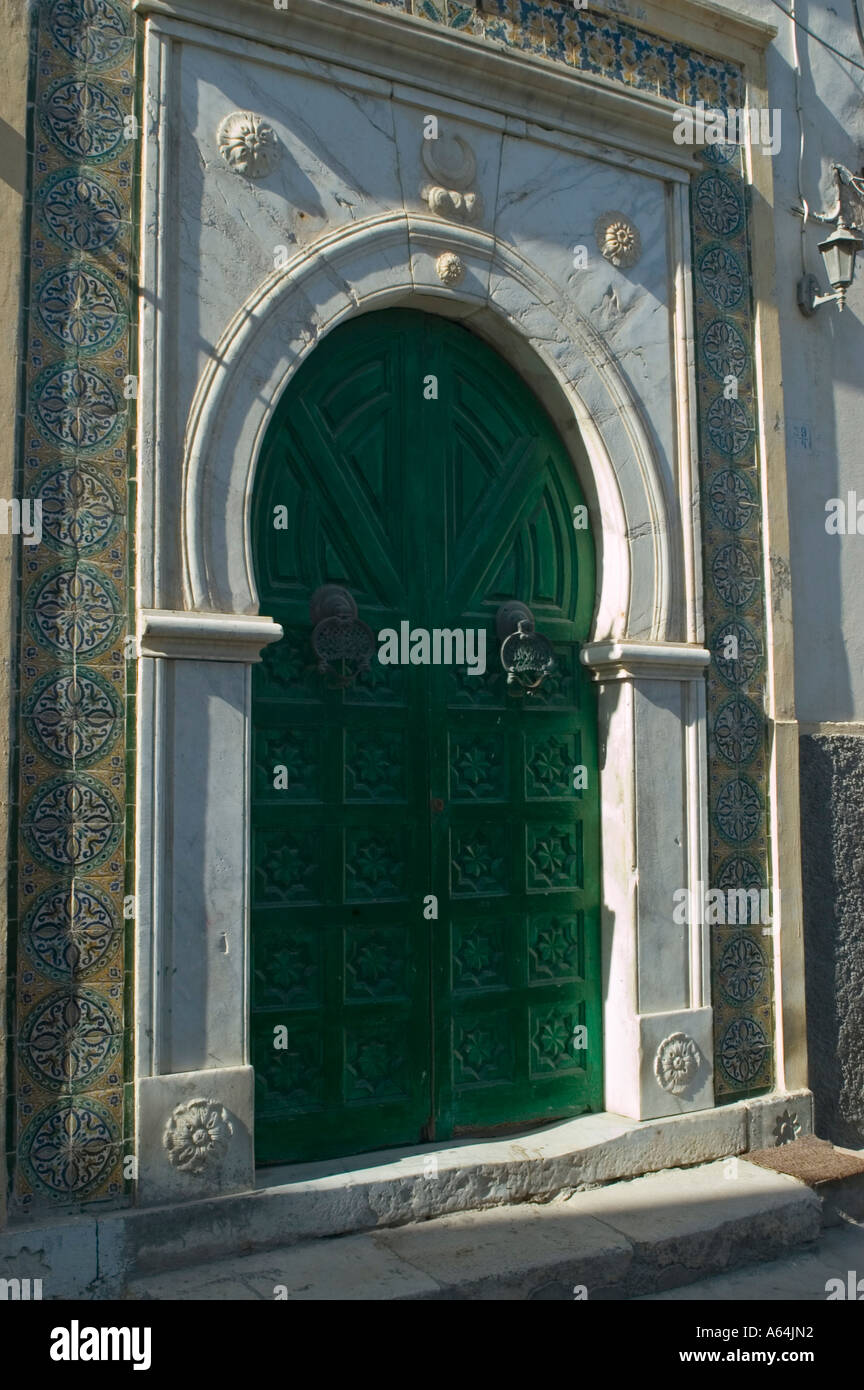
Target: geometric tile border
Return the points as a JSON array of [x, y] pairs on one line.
[[734, 605], [75, 695], [71, 991], [610, 47]]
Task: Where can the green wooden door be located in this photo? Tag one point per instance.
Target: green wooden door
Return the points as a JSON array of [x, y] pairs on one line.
[[374, 1023]]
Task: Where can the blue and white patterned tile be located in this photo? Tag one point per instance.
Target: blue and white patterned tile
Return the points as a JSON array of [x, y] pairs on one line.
[[721, 275], [72, 822], [72, 931], [72, 1038], [735, 574], [737, 811], [75, 612], [732, 499], [729, 425], [73, 717], [742, 969], [81, 307], [724, 350], [92, 33], [79, 406], [718, 203], [81, 509], [744, 664], [737, 731], [81, 210], [740, 871], [84, 119], [68, 1148], [744, 1053]]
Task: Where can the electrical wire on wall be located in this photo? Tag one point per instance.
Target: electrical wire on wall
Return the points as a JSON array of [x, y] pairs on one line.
[[800, 114], [803, 208], [799, 24]]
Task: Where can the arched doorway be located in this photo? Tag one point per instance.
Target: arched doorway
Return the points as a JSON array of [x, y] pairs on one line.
[[425, 877]]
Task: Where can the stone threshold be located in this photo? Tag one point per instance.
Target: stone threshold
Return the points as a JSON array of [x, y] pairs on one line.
[[619, 1241], [97, 1255]]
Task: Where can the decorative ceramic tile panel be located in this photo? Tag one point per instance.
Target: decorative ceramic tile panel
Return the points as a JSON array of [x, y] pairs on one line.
[[608, 45], [76, 696], [734, 606]]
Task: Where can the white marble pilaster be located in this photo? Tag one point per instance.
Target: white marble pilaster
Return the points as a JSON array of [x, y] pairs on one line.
[[192, 899], [653, 793]]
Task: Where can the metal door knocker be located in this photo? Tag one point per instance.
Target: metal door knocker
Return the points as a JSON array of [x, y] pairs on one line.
[[339, 639], [526, 654]]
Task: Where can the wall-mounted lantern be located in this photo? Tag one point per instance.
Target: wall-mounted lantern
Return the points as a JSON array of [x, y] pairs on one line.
[[839, 250]]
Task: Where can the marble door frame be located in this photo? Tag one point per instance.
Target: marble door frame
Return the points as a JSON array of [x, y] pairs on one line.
[[199, 627]]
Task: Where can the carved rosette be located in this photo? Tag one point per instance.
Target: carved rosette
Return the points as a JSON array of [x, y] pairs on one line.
[[451, 164], [618, 239], [248, 144], [677, 1063], [787, 1128], [197, 1135], [450, 268]]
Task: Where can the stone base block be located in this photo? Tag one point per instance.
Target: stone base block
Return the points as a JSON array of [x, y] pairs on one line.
[[195, 1135], [676, 1070], [776, 1120], [51, 1261]]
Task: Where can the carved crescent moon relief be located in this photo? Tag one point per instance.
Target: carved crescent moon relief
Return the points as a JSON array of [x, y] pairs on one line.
[[450, 160], [452, 166]]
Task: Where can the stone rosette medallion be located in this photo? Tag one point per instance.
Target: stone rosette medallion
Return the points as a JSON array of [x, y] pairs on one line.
[[197, 1136], [450, 268], [248, 144], [677, 1064], [787, 1128], [618, 239]]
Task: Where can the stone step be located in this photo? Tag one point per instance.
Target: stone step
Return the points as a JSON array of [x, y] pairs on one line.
[[808, 1274], [619, 1241]]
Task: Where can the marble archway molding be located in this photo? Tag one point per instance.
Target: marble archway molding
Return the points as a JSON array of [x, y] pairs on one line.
[[391, 259]]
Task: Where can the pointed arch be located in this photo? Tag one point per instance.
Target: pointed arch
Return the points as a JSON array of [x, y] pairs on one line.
[[391, 260]]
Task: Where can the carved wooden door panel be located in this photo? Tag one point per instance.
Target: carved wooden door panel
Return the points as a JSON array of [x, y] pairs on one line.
[[516, 851], [372, 1023]]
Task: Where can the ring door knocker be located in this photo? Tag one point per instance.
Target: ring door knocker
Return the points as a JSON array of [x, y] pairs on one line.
[[339, 638], [526, 654]]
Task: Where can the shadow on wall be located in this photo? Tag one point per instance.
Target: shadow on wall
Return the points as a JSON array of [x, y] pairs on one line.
[[832, 852], [13, 158]]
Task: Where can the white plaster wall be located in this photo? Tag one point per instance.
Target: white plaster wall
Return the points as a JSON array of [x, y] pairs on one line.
[[822, 358]]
